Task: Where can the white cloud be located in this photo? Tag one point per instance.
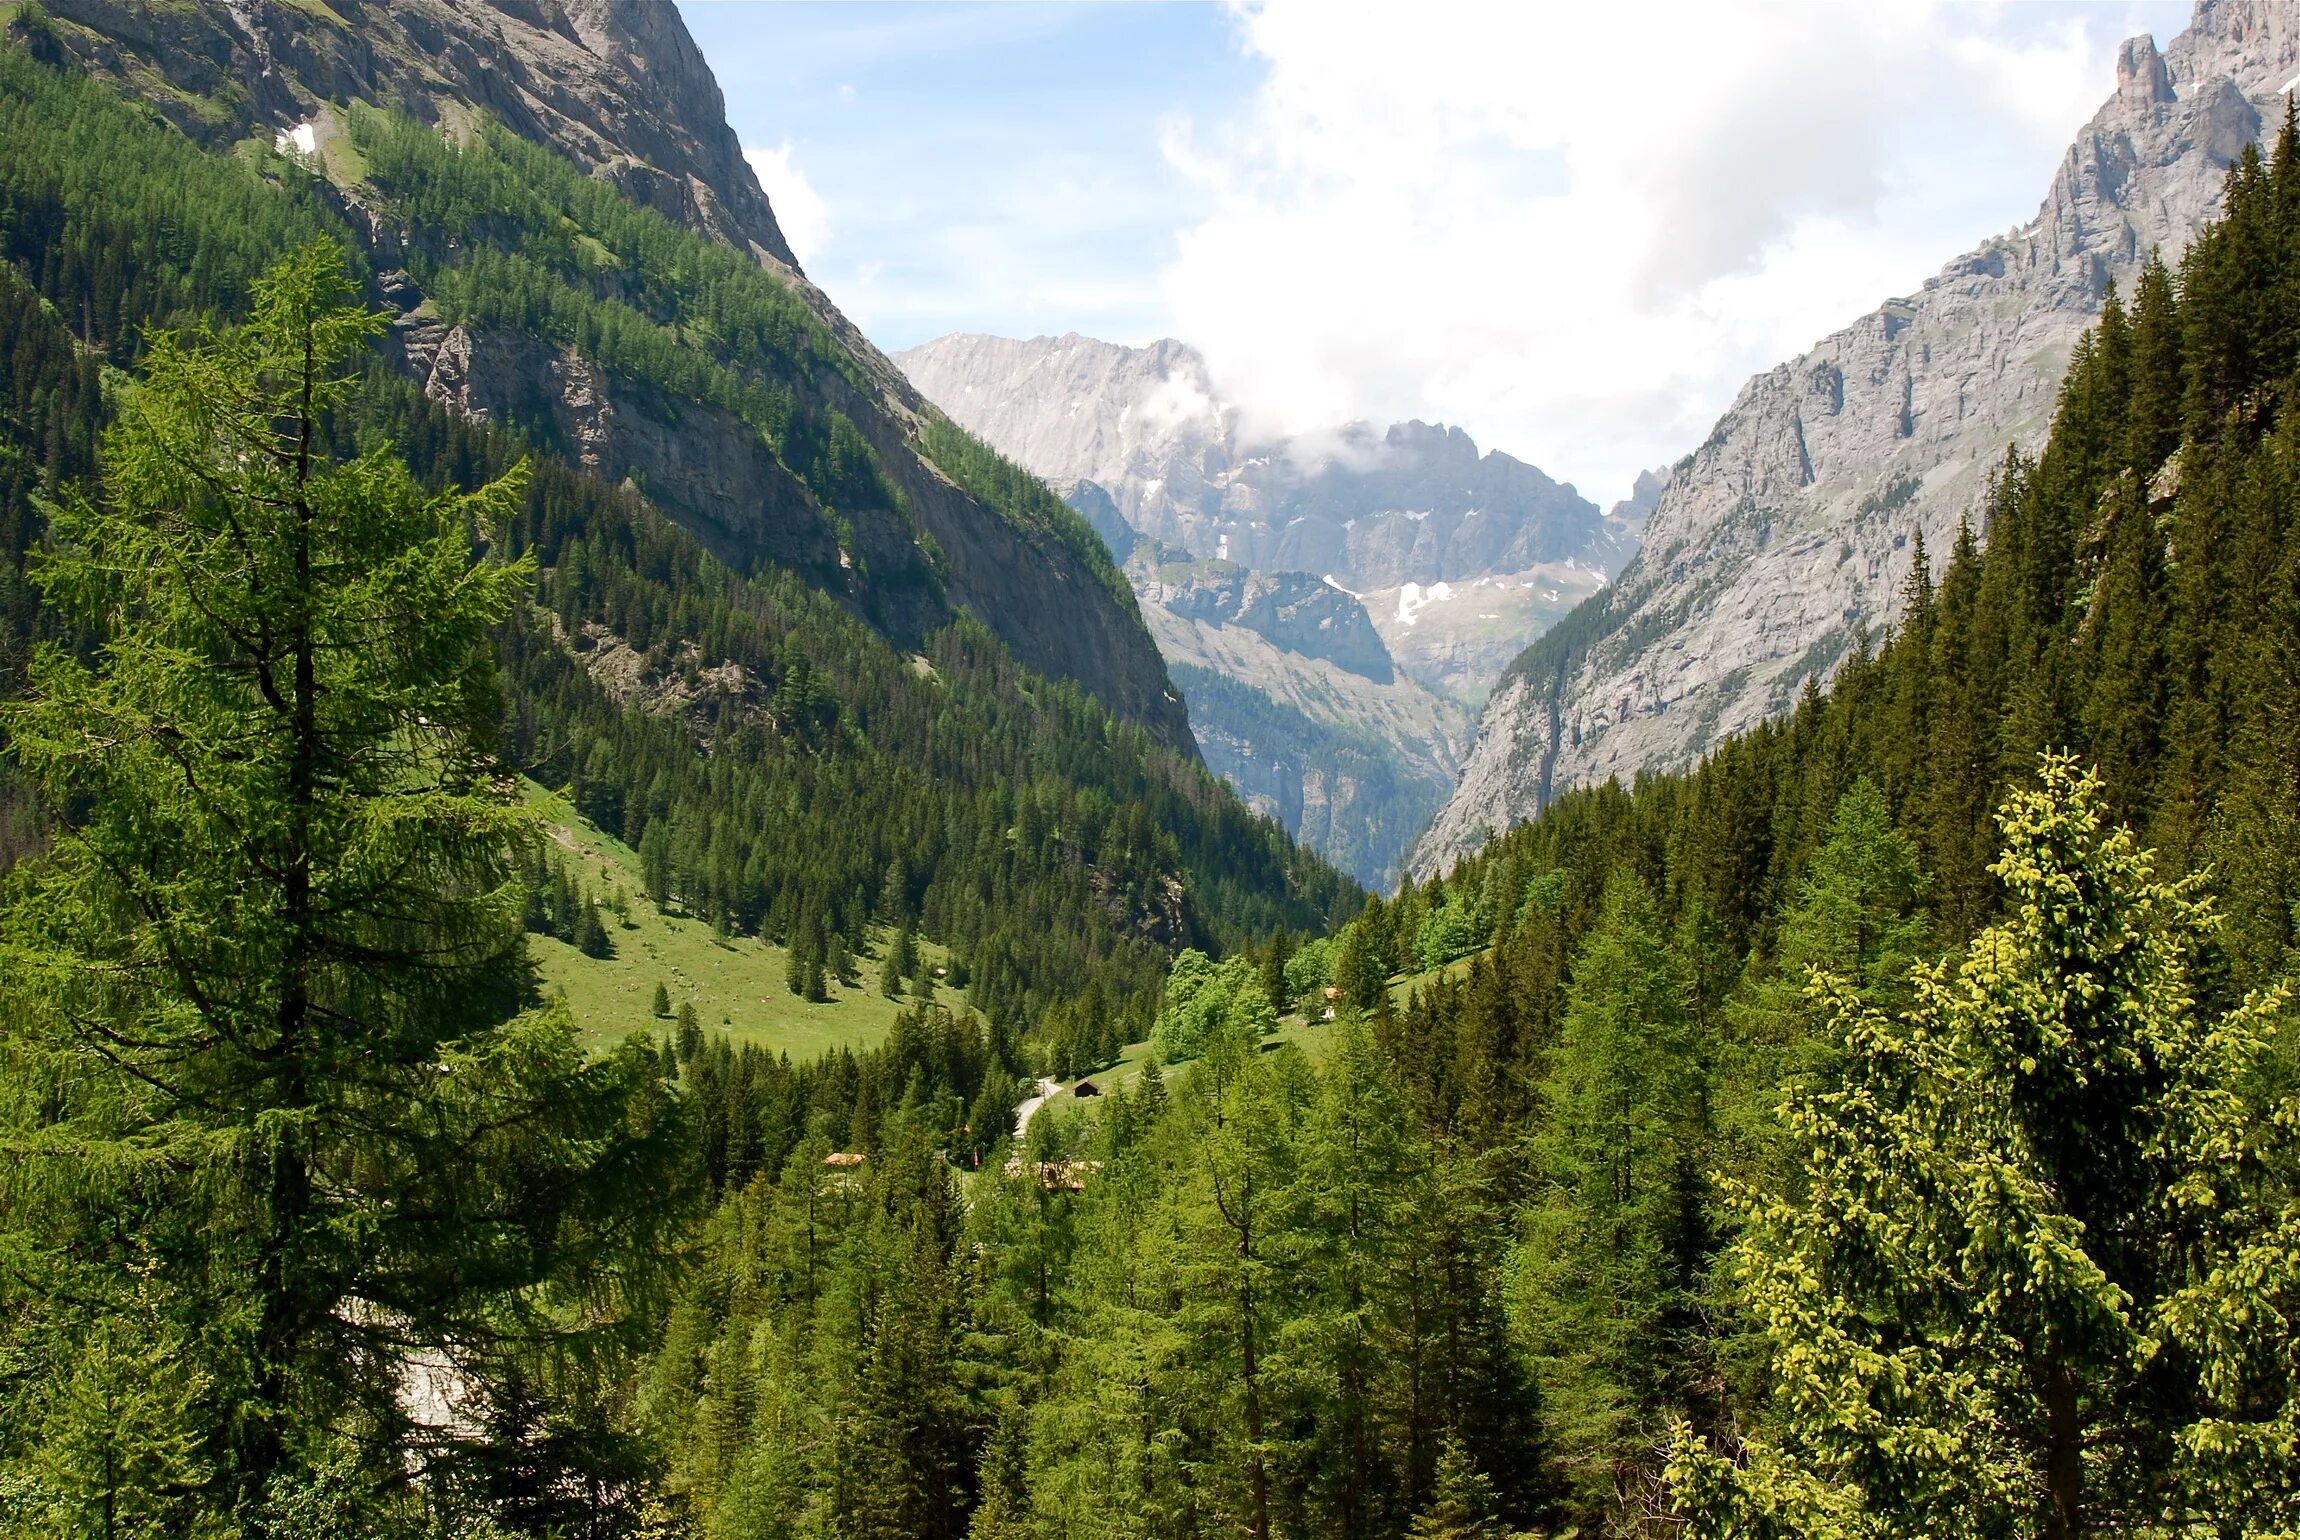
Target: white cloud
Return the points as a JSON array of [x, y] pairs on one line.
[[1575, 230], [800, 211]]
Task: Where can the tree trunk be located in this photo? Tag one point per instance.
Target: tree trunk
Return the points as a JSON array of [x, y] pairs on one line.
[[2064, 1454]]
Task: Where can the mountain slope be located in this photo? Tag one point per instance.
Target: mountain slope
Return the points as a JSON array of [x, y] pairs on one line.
[[1296, 703], [618, 89], [1788, 530], [782, 699]]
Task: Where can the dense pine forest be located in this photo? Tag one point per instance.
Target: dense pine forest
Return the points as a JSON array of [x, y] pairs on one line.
[[1887, 1128]]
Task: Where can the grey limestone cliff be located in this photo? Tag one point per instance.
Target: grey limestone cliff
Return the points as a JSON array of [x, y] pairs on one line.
[[1291, 610], [1373, 508], [1789, 529]]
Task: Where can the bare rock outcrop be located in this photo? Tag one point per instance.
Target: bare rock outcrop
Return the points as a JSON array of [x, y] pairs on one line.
[[1410, 503]]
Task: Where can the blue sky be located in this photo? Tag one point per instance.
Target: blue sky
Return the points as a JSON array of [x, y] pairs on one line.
[[1572, 230], [988, 167]]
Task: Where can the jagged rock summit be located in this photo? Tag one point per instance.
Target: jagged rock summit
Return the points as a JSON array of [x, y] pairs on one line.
[[619, 88], [1414, 502], [1285, 577], [1788, 529]]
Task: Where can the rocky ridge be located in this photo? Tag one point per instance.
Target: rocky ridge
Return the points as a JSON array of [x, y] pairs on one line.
[[1789, 529], [1293, 611], [619, 88], [1374, 509]]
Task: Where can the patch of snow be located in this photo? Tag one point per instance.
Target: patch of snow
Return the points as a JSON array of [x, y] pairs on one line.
[[303, 139], [1413, 599]]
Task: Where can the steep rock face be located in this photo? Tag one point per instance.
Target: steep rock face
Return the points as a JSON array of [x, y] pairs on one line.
[[619, 88], [1353, 765], [1292, 611], [733, 494], [617, 85], [1413, 503], [1789, 528]]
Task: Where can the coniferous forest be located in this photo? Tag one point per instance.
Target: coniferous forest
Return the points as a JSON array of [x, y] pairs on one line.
[[1890, 1127]]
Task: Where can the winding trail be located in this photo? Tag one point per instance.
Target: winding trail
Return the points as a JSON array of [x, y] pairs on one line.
[[1024, 1112]]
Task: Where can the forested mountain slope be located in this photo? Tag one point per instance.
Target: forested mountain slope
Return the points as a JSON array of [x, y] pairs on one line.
[[756, 652], [618, 88], [1787, 531], [1979, 984]]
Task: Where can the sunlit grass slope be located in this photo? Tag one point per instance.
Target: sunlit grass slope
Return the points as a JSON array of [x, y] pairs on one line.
[[737, 984]]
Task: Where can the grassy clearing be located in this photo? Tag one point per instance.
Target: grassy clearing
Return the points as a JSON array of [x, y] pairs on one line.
[[1313, 1037], [736, 983]]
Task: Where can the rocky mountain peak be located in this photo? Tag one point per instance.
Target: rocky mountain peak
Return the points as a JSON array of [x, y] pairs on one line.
[[616, 85], [2142, 78], [1786, 533]]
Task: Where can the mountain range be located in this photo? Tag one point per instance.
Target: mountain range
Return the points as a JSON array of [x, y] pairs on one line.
[[1439, 562]]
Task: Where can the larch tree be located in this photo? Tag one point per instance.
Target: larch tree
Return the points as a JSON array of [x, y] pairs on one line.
[[264, 1064]]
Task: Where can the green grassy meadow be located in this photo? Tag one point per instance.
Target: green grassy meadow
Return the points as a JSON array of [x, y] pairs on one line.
[[736, 983]]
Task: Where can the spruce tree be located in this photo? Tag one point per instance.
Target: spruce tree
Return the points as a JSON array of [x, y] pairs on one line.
[[1603, 1282], [1463, 1506], [662, 1005]]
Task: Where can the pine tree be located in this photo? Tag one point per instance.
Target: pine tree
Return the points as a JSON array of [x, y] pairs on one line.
[[1603, 1283], [803, 970], [1463, 1507], [662, 1006], [690, 1032], [1150, 1090], [591, 938]]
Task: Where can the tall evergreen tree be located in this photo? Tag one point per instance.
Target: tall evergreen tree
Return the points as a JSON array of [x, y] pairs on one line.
[[1605, 1277], [2018, 1289], [266, 968]]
